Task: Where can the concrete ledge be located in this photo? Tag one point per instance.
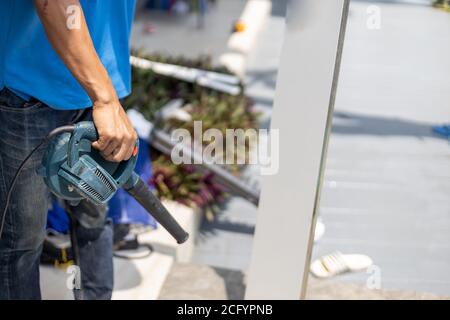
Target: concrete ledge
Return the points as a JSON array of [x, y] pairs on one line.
[[241, 43], [163, 242], [140, 279], [235, 62], [133, 279], [253, 16]]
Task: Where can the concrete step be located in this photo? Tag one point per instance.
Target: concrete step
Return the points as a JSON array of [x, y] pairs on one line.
[[164, 243]]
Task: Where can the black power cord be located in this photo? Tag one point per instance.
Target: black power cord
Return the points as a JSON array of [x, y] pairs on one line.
[[53, 133]]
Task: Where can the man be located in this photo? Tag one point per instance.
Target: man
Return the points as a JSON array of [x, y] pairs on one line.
[[57, 57]]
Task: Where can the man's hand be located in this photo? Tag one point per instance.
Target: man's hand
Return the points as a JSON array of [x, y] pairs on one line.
[[74, 46], [117, 138]]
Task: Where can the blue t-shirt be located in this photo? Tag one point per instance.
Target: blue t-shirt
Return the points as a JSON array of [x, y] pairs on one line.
[[31, 68]]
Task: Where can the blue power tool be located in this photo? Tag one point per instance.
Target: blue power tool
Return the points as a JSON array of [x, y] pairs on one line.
[[74, 171]]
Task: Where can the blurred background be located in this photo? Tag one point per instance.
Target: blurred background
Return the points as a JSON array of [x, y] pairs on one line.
[[384, 220]]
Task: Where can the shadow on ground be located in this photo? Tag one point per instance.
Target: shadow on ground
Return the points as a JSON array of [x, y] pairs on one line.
[[350, 123]]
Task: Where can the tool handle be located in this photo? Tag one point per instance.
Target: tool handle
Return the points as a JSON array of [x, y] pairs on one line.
[[151, 203], [83, 130], [86, 130]]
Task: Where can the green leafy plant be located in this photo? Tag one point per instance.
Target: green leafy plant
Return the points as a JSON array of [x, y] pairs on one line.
[[217, 110], [183, 184]]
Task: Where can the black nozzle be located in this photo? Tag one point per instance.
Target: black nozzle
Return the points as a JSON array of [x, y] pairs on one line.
[[151, 203]]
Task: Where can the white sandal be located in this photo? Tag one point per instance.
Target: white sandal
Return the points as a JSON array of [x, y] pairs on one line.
[[337, 263]]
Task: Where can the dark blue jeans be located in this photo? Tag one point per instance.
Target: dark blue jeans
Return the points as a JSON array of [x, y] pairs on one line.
[[22, 126]]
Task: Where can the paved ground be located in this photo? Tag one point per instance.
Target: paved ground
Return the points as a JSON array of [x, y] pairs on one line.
[[387, 181], [200, 282], [179, 35]]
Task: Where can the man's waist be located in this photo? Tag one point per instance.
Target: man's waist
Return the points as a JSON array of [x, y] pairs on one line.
[[13, 99]]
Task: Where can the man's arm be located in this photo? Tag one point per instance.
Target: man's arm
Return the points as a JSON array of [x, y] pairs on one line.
[[74, 46]]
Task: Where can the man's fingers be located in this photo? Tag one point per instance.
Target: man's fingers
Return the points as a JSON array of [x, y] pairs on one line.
[[108, 145], [130, 147], [133, 140], [120, 155], [112, 146], [101, 143], [126, 149], [116, 146]]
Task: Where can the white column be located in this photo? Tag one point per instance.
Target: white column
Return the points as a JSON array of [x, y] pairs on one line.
[[303, 111]]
